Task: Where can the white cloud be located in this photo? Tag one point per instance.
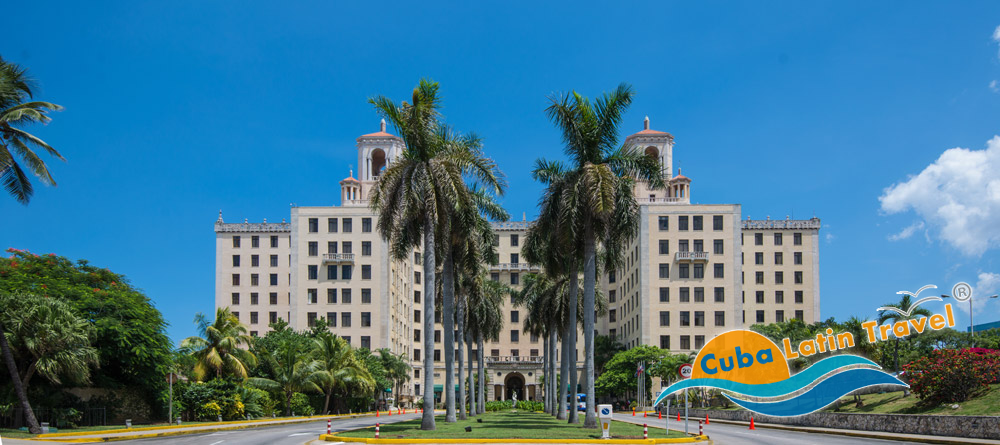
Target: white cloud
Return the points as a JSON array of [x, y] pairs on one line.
[[996, 36], [958, 194], [829, 237], [987, 284], [994, 86], [907, 232]]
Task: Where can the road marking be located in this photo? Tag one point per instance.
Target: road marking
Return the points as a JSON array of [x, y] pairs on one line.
[[217, 443], [296, 434]]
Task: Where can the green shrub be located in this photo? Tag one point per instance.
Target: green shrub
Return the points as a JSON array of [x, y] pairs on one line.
[[952, 375], [209, 411], [301, 405]]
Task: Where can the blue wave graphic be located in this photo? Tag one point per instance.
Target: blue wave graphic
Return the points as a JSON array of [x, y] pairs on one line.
[[821, 395], [775, 389]]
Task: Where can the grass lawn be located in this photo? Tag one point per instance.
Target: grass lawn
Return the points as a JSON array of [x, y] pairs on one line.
[[894, 403], [18, 434], [508, 425]]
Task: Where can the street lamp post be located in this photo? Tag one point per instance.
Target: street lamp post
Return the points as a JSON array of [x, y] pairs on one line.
[[972, 327]]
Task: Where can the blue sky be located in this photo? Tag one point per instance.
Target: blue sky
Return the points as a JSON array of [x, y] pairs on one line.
[[175, 110]]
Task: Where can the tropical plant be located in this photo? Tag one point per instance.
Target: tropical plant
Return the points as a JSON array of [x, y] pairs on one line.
[[291, 374], [951, 376], [337, 368], [397, 369], [416, 194], [909, 312], [218, 349], [17, 111], [485, 322]]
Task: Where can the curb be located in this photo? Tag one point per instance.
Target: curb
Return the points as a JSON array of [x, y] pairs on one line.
[[862, 434], [333, 438]]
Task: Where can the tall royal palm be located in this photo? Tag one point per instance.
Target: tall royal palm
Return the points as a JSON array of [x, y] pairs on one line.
[[219, 348], [17, 111], [600, 203], [415, 195], [485, 322]]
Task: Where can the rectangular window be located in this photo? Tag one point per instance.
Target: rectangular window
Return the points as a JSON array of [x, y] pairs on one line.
[[236, 279], [759, 277], [664, 342], [798, 277], [720, 318], [611, 277], [331, 272], [682, 245], [348, 247], [345, 319], [416, 316], [366, 342], [779, 277], [253, 318], [236, 261], [719, 271], [699, 270], [416, 335], [798, 297], [366, 248], [254, 279], [515, 317], [685, 318], [345, 272], [366, 225], [760, 297], [612, 315], [664, 223], [313, 225], [254, 298], [699, 341], [273, 298], [664, 270], [685, 296], [611, 296], [331, 225], [699, 295], [699, 245], [760, 316], [416, 277], [515, 335], [274, 241], [515, 278], [437, 355], [311, 319], [720, 295], [311, 296], [348, 225], [717, 244], [664, 247], [366, 319], [236, 241], [273, 278], [416, 356], [236, 298], [274, 261], [313, 248], [313, 272], [685, 342], [682, 271], [366, 296], [416, 257], [779, 259], [416, 296], [797, 258], [331, 296], [514, 258], [758, 239], [272, 317], [682, 223], [345, 296], [366, 271], [254, 260], [717, 222], [777, 239], [514, 240], [779, 296], [697, 222], [331, 319], [758, 258], [664, 318], [664, 295], [800, 315], [779, 316], [494, 276], [797, 239]]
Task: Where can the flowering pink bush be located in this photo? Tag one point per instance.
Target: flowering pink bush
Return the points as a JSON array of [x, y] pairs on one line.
[[953, 375]]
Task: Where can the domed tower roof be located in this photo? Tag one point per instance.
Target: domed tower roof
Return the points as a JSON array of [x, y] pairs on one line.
[[350, 179], [379, 134]]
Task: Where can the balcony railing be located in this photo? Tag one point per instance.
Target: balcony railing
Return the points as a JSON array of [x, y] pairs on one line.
[[661, 200], [338, 257], [355, 203], [692, 256], [514, 267], [495, 360]]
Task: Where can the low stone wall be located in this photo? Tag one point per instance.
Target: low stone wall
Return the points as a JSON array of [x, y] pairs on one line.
[[979, 427]]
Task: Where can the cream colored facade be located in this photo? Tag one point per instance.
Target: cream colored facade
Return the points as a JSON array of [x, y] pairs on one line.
[[689, 275]]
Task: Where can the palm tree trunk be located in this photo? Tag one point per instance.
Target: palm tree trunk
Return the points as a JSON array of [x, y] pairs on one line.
[[326, 404], [460, 319], [896, 360], [564, 374], [571, 345], [589, 283], [468, 373], [482, 375], [22, 395], [427, 421], [448, 324], [545, 366], [553, 390]]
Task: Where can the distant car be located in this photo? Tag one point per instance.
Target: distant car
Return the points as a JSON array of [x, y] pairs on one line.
[[581, 402]]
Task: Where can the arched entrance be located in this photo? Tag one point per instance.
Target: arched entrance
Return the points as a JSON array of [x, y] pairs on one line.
[[378, 162], [514, 382]]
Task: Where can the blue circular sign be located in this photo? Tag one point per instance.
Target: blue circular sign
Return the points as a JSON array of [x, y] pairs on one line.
[[605, 411]]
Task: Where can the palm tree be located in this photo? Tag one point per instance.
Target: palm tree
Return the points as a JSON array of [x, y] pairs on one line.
[[415, 195], [910, 312], [543, 297], [485, 321], [16, 112], [396, 369], [291, 373], [337, 367], [22, 396], [218, 348], [599, 194]]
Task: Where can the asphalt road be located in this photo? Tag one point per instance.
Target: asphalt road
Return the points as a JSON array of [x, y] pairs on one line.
[[726, 434]]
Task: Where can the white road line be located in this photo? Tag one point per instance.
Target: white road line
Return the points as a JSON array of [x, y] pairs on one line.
[[217, 443], [296, 434]]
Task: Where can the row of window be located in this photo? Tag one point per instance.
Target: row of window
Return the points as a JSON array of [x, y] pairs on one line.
[[697, 222], [347, 247], [255, 261], [254, 241], [272, 317], [758, 238], [515, 278], [255, 279], [255, 298], [779, 316], [779, 297], [345, 296], [696, 270], [779, 277], [779, 258], [475, 356], [345, 272], [685, 246], [345, 225], [699, 318]]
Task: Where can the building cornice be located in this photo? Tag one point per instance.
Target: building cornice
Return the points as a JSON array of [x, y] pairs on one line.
[[777, 224], [252, 227]]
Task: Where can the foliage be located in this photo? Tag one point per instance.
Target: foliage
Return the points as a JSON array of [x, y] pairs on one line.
[[128, 331], [17, 111], [218, 349], [949, 375], [605, 347], [338, 369], [209, 411], [620, 373], [300, 405], [256, 402], [291, 374], [201, 400]]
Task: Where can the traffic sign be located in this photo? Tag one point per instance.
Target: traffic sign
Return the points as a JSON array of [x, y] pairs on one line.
[[685, 371]]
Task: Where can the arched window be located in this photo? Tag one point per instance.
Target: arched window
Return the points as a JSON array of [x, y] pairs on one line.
[[378, 162], [652, 152]]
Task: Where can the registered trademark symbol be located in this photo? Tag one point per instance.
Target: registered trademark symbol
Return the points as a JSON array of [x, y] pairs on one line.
[[962, 291]]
